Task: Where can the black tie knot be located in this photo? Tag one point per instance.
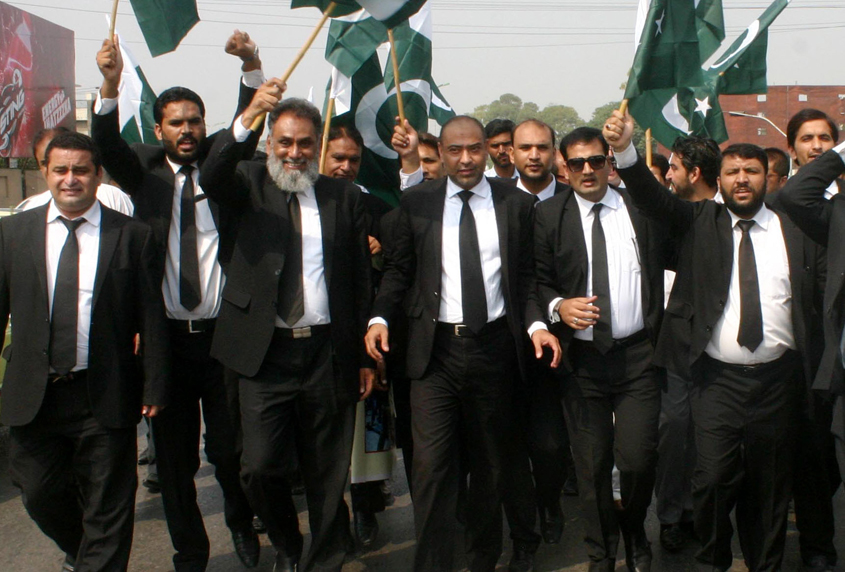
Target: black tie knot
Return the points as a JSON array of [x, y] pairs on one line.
[[596, 210], [72, 225], [465, 196], [745, 225], [187, 170]]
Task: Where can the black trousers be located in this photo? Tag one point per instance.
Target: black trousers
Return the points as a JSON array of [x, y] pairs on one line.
[[197, 378], [676, 454], [624, 384], [745, 426], [464, 398], [77, 478], [295, 412]]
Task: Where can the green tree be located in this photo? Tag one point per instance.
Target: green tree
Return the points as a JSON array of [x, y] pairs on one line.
[[562, 119]]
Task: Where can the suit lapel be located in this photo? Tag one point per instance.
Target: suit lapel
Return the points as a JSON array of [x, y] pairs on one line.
[[276, 201], [327, 204], [500, 207], [109, 237], [725, 238], [165, 173], [794, 240], [438, 207], [572, 240], [38, 244]]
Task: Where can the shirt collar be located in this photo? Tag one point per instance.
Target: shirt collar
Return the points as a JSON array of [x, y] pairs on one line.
[[611, 199], [762, 218], [548, 191], [482, 189], [93, 215], [177, 166]]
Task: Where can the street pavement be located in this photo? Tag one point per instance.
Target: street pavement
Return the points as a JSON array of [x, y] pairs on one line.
[[24, 548]]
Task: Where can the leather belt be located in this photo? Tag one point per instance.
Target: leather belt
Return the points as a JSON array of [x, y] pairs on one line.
[[69, 376], [306, 332], [192, 326], [463, 331]]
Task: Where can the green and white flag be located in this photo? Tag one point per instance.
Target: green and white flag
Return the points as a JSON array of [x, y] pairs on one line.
[[391, 13], [342, 7], [352, 40], [710, 25], [165, 22], [135, 102]]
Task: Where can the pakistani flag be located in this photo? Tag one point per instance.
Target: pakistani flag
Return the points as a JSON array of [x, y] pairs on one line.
[[710, 25], [135, 102], [391, 13], [165, 22], [342, 7]]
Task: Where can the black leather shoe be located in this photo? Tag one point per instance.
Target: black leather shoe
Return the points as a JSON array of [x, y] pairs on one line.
[[247, 546], [522, 559], [285, 563], [608, 565], [570, 486], [637, 552], [258, 525], [69, 565], [673, 537], [366, 528], [152, 485], [818, 563], [551, 523]]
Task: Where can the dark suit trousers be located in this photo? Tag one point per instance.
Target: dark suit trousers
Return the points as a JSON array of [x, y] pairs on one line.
[[816, 471], [625, 384], [745, 426], [675, 452], [296, 413], [176, 431], [464, 398], [78, 478]]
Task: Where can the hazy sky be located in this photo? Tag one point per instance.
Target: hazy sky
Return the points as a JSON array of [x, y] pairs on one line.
[[572, 52]]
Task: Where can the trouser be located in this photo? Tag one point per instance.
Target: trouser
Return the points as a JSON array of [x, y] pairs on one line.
[[745, 426], [296, 412], [620, 384], [464, 398], [675, 452], [196, 378], [77, 478]]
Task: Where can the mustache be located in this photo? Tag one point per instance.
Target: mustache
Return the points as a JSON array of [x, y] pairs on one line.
[[188, 138], [289, 161]]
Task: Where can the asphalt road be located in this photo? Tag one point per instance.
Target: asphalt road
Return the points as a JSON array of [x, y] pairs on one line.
[[23, 548]]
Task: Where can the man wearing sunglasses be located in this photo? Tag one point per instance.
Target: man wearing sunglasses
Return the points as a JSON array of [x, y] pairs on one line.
[[600, 276]]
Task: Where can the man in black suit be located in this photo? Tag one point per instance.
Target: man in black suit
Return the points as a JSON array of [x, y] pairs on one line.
[[600, 277], [79, 281], [738, 323], [163, 182], [462, 255], [294, 309]]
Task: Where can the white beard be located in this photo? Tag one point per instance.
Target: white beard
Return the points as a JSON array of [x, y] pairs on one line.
[[292, 181]]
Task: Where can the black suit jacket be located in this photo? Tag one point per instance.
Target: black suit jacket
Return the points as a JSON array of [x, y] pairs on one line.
[[704, 243], [144, 173], [824, 221], [127, 300], [561, 258], [247, 317], [413, 266]]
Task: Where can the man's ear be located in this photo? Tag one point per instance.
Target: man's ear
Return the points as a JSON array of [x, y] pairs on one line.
[[695, 175], [157, 130]]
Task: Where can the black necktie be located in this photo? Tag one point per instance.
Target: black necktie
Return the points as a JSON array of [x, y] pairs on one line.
[[602, 330], [291, 299], [189, 264], [750, 313], [63, 323], [473, 296]]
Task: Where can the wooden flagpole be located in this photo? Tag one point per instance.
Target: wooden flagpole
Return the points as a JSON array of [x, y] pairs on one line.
[[113, 19], [399, 103], [327, 125], [648, 151], [301, 54], [623, 107]]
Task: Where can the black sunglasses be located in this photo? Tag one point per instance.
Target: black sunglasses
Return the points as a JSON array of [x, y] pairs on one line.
[[576, 164]]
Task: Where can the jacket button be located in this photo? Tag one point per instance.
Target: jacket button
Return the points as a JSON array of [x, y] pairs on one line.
[[434, 320], [708, 329], [436, 294], [278, 272], [721, 302]]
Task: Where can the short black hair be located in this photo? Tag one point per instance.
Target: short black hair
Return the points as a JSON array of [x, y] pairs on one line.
[[173, 95], [779, 160], [747, 151], [538, 123], [497, 127], [350, 131], [430, 140], [76, 141], [43, 134], [701, 152], [661, 162], [803, 117], [298, 108], [583, 135], [458, 118]]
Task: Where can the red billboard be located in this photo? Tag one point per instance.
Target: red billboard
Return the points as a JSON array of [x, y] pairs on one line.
[[36, 79]]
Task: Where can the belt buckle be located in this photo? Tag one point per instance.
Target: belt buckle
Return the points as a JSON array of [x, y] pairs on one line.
[[458, 329], [191, 329], [299, 333]]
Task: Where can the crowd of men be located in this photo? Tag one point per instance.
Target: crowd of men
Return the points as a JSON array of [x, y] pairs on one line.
[[569, 321]]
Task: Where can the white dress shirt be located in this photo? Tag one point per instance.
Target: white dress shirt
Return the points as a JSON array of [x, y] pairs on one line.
[[623, 265], [208, 242], [491, 172], [775, 296], [315, 291], [88, 238], [831, 191], [546, 193], [408, 180], [108, 195]]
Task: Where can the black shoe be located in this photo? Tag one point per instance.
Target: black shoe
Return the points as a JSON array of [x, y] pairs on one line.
[[818, 563], [637, 552], [69, 565], [551, 523], [608, 565], [152, 485], [570, 486], [522, 559], [673, 537], [285, 563], [143, 458], [366, 528], [247, 546], [258, 526]]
